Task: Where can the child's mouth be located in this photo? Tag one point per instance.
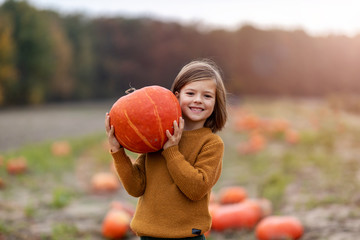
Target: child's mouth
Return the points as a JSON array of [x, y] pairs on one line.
[[196, 109]]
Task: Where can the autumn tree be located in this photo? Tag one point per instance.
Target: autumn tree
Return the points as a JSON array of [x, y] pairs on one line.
[[61, 85], [79, 32], [8, 74], [34, 58]]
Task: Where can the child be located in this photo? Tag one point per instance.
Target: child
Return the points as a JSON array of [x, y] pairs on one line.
[[174, 184]]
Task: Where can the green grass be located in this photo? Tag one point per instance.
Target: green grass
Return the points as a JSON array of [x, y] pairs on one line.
[[4, 229], [29, 211], [61, 231], [61, 197]]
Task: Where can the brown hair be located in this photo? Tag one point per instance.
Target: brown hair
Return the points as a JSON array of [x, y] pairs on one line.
[[205, 69]]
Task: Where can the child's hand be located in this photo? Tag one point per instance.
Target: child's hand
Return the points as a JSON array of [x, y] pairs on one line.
[[113, 142], [174, 139]]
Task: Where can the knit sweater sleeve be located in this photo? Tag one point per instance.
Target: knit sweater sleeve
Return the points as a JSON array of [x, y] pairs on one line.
[[195, 181], [132, 175]]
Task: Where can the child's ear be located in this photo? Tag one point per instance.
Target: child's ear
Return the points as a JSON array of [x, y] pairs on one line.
[[177, 94]]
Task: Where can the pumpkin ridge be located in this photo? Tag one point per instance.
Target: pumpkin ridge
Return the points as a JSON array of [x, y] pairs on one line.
[[136, 130], [125, 145], [156, 112]]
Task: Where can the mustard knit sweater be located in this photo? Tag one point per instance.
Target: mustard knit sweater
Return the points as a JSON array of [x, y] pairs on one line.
[[173, 185]]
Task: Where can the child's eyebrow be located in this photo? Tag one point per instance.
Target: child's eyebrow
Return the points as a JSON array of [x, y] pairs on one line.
[[189, 89], [206, 91], [209, 91]]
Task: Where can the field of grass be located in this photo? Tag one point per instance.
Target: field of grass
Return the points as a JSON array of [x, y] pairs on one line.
[[302, 155]]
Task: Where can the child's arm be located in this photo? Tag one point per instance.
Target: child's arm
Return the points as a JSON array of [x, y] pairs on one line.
[[132, 175], [195, 181]]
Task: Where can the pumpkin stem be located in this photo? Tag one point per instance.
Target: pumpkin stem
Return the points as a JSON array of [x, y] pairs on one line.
[[130, 90]]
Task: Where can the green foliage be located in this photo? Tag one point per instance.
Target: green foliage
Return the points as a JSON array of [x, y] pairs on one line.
[[328, 200], [63, 231], [61, 84], [273, 188], [8, 74], [29, 211], [3, 228], [61, 197], [80, 36], [34, 59]]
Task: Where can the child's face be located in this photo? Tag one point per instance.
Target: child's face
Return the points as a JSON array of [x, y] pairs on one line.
[[197, 101]]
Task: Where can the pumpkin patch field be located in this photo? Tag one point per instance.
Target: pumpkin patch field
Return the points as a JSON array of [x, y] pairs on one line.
[[291, 170]]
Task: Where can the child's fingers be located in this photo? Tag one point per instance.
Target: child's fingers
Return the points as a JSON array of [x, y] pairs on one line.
[[111, 132], [168, 134], [107, 122], [176, 126], [181, 124]]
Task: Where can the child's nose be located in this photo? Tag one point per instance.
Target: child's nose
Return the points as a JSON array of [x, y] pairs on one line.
[[198, 98]]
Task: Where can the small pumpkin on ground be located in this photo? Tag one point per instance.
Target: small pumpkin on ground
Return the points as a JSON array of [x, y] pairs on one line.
[[17, 165], [116, 224], [104, 182], [233, 194], [243, 215], [61, 148], [278, 228]]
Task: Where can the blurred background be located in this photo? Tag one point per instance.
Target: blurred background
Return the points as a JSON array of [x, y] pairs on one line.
[[291, 69], [55, 51]]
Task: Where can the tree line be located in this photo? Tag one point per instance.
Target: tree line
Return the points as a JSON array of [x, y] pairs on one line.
[[47, 57]]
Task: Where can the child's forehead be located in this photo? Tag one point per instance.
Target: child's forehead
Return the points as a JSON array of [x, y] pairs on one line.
[[202, 84]]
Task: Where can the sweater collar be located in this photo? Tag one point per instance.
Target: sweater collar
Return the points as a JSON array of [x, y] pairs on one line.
[[196, 132]]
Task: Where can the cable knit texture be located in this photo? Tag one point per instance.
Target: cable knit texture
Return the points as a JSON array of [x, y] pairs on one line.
[[173, 185]]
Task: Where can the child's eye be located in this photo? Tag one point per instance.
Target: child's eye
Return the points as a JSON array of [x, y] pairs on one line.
[[190, 93], [208, 96]]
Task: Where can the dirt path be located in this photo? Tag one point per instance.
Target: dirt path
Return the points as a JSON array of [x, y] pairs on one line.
[[21, 126]]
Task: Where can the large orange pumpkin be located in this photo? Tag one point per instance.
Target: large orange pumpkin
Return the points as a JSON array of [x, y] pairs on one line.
[[141, 118]]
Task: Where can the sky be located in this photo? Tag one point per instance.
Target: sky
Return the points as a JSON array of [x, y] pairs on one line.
[[316, 17]]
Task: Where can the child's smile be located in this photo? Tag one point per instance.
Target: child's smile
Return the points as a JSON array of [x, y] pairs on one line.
[[197, 101], [196, 109]]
